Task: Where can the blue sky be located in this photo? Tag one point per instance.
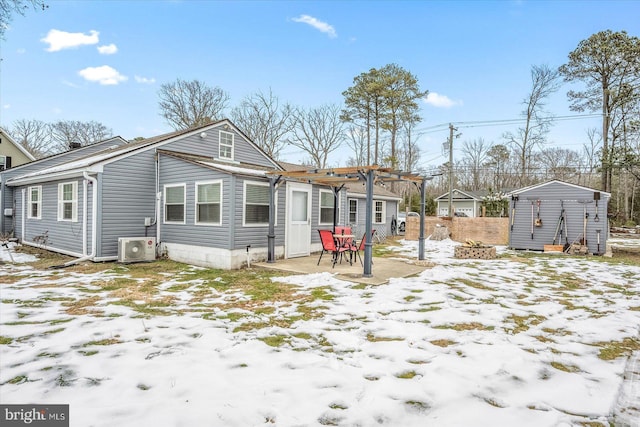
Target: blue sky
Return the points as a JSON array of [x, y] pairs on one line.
[[105, 60]]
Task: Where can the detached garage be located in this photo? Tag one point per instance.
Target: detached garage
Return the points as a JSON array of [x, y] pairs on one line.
[[558, 213]]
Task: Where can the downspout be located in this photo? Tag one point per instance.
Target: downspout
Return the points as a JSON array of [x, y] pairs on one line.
[[24, 215], [94, 223], [158, 201], [84, 218]]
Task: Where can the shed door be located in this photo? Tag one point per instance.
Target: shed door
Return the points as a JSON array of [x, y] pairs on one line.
[[298, 220]]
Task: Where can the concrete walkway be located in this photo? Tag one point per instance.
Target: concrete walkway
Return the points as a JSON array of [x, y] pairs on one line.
[[382, 270]]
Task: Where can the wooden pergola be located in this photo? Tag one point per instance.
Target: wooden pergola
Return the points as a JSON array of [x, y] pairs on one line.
[[336, 178]]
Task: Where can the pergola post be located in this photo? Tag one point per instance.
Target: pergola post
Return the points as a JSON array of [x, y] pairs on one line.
[[368, 245], [271, 235], [423, 197]]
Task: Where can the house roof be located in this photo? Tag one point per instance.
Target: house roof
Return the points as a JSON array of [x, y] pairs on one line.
[[557, 181], [93, 163], [477, 195], [208, 162], [359, 189], [18, 146]]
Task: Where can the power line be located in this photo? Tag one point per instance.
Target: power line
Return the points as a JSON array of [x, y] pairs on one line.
[[503, 122]]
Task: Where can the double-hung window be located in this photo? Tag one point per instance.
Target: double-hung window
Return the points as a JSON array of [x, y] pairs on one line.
[[379, 211], [68, 201], [256, 204], [226, 145], [209, 203], [326, 207], [353, 211], [174, 203], [35, 202]]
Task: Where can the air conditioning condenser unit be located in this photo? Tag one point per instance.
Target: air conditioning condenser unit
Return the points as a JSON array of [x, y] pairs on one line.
[[136, 249]]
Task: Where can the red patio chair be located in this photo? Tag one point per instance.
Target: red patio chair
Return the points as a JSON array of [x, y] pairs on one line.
[[346, 242], [360, 247], [329, 245]]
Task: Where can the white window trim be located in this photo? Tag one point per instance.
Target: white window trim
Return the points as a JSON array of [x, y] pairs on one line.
[[320, 206], [233, 145], [3, 161], [195, 203], [73, 201], [184, 204], [349, 200], [384, 212], [31, 202], [244, 204]]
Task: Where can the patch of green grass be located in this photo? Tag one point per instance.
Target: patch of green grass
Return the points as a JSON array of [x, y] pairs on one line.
[[410, 298], [106, 341], [47, 354], [88, 352], [322, 293], [59, 321], [360, 286], [18, 379], [406, 375], [417, 405], [53, 331], [264, 310], [636, 308], [610, 350], [565, 368], [338, 406], [302, 335], [443, 343], [5, 340], [469, 326], [373, 338], [523, 323], [275, 340], [474, 284], [143, 387]]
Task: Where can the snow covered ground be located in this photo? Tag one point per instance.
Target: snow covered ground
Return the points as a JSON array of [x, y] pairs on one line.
[[516, 341]]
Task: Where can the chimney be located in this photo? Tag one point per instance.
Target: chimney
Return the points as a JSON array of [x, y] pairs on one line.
[[74, 145]]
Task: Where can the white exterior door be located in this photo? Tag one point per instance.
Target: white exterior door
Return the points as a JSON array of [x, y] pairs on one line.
[[298, 220]]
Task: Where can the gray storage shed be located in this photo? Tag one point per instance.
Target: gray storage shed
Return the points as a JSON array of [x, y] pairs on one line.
[[558, 213]]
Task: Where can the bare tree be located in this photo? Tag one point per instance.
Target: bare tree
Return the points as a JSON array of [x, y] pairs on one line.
[[356, 138], [67, 133], [497, 160], [185, 104], [559, 163], [475, 157], [544, 82], [265, 121], [34, 135], [9, 7], [318, 131]]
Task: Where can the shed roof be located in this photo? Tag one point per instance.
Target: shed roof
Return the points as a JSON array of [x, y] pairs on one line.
[[557, 181]]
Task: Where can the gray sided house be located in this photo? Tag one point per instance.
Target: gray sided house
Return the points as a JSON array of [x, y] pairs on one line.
[[558, 213], [204, 194], [385, 209], [11, 196]]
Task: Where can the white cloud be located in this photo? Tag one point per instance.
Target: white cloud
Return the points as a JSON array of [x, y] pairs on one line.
[[21, 51], [318, 25], [108, 49], [59, 40], [70, 84], [6, 106], [145, 80], [440, 101], [104, 75]]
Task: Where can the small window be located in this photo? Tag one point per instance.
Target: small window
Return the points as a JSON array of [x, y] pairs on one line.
[[378, 212], [209, 203], [256, 204], [174, 202], [35, 202], [353, 211], [3, 162], [226, 145], [326, 207], [68, 201]]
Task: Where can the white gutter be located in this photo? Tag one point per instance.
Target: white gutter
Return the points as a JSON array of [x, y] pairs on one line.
[[158, 201], [94, 221]]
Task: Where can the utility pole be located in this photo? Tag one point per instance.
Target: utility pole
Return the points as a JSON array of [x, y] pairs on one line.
[[451, 129]]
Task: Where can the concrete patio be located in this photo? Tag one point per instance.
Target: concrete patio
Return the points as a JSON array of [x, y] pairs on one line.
[[382, 270]]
